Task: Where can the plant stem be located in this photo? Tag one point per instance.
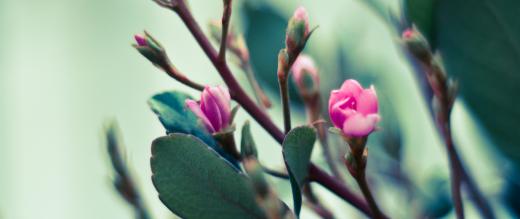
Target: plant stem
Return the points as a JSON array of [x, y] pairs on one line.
[[285, 102], [458, 171], [259, 94], [312, 102], [455, 174], [175, 74], [335, 186], [356, 164], [226, 17], [239, 95], [363, 186]]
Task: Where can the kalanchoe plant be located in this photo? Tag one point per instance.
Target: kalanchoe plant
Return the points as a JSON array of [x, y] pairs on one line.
[[199, 172]]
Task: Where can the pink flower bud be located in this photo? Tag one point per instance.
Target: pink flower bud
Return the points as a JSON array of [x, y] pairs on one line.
[[303, 67], [353, 109], [297, 30], [417, 44], [300, 15], [213, 109], [140, 40]]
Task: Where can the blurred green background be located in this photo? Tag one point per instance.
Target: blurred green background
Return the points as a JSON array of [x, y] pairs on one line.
[[67, 66]]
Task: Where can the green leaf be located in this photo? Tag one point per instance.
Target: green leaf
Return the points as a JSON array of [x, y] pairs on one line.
[[193, 182], [176, 118], [480, 45], [247, 144], [297, 150]]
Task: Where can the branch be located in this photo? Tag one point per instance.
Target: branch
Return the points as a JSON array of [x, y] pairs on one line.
[[440, 91], [226, 17], [239, 95], [175, 74]]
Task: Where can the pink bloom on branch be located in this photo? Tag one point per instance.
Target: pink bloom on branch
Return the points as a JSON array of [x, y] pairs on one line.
[[213, 109], [141, 40], [353, 109]]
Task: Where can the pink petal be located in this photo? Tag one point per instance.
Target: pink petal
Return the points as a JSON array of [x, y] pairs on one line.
[[335, 96], [141, 41], [195, 108], [359, 125], [209, 106], [221, 97], [338, 115], [367, 101], [351, 88]]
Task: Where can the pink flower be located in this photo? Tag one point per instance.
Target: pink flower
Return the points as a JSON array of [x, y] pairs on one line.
[[213, 109], [353, 109]]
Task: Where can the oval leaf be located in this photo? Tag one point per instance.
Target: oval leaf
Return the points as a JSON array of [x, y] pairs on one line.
[[297, 150], [194, 182], [176, 118]]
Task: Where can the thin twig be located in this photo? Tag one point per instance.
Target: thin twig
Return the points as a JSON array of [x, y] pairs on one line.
[[312, 103], [177, 75], [226, 17], [275, 173], [363, 186], [259, 94], [284, 92]]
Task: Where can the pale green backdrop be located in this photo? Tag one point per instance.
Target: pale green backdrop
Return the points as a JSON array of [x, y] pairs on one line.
[[67, 66]]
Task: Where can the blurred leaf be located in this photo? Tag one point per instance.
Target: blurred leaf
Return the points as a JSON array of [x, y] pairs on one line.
[[297, 150], [436, 201], [511, 194], [265, 36], [123, 181], [247, 144], [176, 118], [480, 44], [193, 182]]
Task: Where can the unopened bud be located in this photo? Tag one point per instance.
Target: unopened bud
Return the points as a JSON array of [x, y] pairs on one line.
[[417, 44], [305, 75], [140, 40], [283, 62], [297, 30], [151, 49]]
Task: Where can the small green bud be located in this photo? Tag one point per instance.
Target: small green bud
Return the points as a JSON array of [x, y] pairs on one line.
[[417, 44], [297, 30]]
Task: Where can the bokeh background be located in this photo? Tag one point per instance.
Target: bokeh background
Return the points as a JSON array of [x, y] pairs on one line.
[[66, 67]]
